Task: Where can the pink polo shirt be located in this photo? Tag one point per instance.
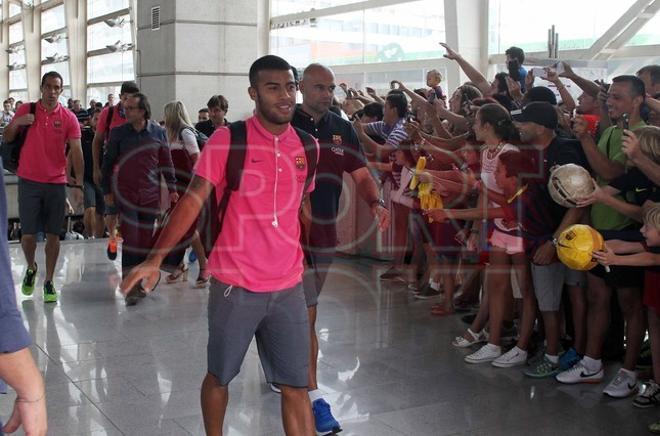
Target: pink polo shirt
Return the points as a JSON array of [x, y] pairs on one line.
[[43, 155], [259, 245], [117, 120]]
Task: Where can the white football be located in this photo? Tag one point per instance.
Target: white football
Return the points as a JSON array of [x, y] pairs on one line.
[[568, 183]]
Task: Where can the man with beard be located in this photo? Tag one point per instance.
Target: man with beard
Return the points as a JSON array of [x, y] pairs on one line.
[[340, 152], [257, 261]]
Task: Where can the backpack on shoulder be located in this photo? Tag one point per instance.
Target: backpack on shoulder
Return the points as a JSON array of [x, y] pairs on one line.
[[11, 151]]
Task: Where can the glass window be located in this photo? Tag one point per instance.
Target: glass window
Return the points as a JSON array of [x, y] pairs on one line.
[[414, 32], [100, 93], [284, 7], [14, 9], [96, 8], [18, 79], [17, 58], [391, 33], [649, 34], [52, 19], [55, 48], [16, 32], [112, 67], [60, 67], [510, 24], [100, 35], [19, 94]]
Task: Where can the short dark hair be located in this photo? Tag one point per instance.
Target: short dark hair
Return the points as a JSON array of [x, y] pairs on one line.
[[203, 110], [129, 87], [76, 101], [143, 104], [218, 101], [516, 53], [653, 71], [52, 75], [398, 100], [6, 101], [268, 62], [99, 105], [636, 84], [374, 109]]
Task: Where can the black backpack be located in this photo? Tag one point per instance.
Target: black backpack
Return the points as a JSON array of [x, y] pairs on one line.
[[213, 213], [11, 151], [199, 137]]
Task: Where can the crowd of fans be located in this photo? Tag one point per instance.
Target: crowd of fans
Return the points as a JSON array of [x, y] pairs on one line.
[[486, 245]]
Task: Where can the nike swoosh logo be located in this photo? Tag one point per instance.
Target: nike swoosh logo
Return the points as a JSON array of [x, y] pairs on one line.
[[640, 189], [632, 387], [583, 375], [256, 161]]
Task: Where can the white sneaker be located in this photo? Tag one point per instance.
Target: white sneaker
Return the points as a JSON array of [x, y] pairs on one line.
[[623, 385], [487, 353], [580, 374], [477, 338], [275, 388], [513, 357]]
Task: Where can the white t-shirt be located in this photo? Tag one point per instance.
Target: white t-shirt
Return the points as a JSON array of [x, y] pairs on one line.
[[187, 142], [488, 168]]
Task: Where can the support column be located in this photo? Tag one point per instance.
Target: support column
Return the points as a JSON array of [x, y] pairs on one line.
[[75, 13], [202, 48]]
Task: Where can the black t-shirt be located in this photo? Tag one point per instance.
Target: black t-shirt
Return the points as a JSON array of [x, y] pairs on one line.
[[636, 188], [86, 139], [207, 127], [340, 152], [560, 151]]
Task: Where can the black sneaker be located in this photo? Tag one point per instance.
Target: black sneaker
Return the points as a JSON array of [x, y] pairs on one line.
[[135, 295], [393, 273]]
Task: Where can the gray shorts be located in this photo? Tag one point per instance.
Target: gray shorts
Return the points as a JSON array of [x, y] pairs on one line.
[[93, 196], [279, 322], [41, 207], [549, 281]]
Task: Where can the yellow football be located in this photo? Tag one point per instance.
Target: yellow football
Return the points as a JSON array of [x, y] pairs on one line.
[[576, 245]]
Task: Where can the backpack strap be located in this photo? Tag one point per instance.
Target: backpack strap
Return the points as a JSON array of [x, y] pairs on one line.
[[311, 155], [215, 212], [108, 121]]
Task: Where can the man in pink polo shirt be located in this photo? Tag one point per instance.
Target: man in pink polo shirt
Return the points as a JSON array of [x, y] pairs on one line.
[[257, 261], [111, 117], [42, 177]]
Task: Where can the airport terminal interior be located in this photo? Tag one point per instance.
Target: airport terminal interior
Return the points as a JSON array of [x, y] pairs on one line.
[[476, 254]]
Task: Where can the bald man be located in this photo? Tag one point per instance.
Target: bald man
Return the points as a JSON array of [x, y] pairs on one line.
[[340, 152]]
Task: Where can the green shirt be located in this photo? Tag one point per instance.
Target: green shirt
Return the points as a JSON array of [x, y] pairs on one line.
[[604, 217]]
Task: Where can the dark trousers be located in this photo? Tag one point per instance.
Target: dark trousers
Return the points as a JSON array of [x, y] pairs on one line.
[[137, 229]]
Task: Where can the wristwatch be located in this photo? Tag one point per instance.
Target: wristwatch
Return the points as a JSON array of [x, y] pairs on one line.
[[380, 202]]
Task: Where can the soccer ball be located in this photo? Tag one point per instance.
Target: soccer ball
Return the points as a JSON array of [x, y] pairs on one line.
[[576, 244], [568, 183]]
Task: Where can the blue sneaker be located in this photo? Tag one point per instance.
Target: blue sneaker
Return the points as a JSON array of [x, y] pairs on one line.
[[569, 359], [325, 423], [192, 256]]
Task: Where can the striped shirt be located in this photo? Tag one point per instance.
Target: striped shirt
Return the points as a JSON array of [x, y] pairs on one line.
[[393, 135]]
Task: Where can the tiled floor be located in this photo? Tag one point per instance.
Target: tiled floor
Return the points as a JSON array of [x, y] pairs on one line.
[[386, 365]]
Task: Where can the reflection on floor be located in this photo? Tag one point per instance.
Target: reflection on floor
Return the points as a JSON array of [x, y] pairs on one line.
[[386, 364]]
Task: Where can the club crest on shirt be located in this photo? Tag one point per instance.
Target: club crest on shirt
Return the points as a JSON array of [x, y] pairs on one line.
[[336, 139], [57, 124], [300, 162]]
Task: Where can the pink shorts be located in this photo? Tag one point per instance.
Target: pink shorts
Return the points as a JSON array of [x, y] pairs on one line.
[[511, 244]]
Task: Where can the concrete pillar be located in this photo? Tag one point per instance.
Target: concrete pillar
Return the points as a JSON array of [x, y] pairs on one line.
[[75, 15], [32, 37], [4, 56], [202, 48], [471, 17]]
